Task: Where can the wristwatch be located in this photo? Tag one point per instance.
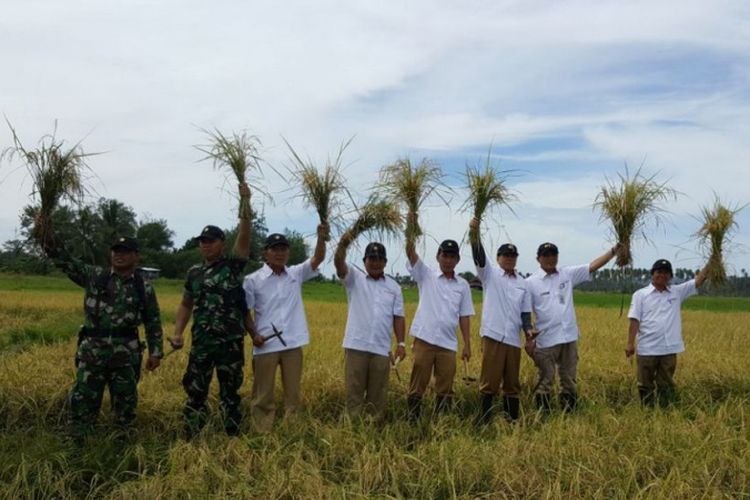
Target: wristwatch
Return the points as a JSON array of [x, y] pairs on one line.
[[402, 344]]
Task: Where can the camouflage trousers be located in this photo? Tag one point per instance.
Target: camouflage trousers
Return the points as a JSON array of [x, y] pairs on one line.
[[112, 363], [228, 359]]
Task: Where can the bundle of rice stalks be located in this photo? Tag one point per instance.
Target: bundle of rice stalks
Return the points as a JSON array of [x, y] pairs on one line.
[[377, 215], [239, 154], [487, 189], [718, 225], [320, 191], [412, 185], [57, 174], [630, 205]]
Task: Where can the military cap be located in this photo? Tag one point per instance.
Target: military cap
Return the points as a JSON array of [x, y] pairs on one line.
[[211, 233], [376, 250], [508, 249], [449, 247], [127, 243], [276, 239], [662, 265], [547, 249]]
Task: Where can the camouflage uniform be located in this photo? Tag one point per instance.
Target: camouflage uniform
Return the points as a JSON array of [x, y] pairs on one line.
[[109, 351], [218, 335]]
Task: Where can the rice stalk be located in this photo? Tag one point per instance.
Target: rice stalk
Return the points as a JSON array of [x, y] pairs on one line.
[[320, 191], [487, 188], [411, 185], [237, 153], [376, 215], [719, 222], [57, 173], [631, 204]]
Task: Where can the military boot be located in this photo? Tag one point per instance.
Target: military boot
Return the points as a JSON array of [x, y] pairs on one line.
[[512, 408], [568, 402]]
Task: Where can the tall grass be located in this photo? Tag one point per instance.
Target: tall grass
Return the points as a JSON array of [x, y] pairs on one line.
[[611, 447]]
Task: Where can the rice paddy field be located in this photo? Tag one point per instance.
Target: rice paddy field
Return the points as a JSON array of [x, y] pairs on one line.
[[611, 447]]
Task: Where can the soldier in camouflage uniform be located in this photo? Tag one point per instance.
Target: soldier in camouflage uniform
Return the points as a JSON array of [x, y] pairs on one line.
[[214, 296], [109, 352]]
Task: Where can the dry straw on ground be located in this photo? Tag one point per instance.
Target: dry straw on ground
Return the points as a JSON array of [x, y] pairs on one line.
[[239, 154], [719, 222], [58, 174], [411, 185], [631, 204]]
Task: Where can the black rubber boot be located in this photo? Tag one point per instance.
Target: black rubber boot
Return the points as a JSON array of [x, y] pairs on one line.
[[414, 408], [647, 396], [543, 402], [568, 402], [486, 413], [512, 408], [442, 404]]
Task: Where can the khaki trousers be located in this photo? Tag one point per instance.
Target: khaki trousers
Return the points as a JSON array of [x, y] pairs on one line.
[[366, 381], [429, 358], [562, 358], [656, 372], [262, 406], [501, 363]]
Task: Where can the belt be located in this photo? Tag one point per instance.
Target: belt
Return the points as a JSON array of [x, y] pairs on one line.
[[126, 333]]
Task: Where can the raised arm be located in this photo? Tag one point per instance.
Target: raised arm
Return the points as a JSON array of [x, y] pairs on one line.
[[600, 261], [475, 238], [242, 242], [320, 247], [700, 278], [411, 238], [339, 258]]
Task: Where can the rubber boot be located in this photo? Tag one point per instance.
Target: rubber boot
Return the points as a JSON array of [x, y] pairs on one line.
[[543, 402], [647, 396], [486, 413], [512, 408], [442, 404], [568, 402], [414, 408]]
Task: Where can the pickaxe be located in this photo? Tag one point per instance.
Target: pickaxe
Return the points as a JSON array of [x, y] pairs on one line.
[[469, 380], [276, 333]]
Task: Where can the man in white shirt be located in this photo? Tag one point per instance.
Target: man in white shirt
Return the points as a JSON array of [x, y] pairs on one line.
[[274, 294], [376, 306], [444, 304], [655, 318], [556, 346], [506, 308]]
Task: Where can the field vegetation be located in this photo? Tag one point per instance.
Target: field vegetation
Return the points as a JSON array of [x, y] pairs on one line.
[[611, 447]]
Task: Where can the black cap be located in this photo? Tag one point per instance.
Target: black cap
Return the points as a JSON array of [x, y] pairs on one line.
[[547, 249], [449, 247], [508, 249], [127, 243], [375, 249], [276, 239], [211, 233], [662, 265]]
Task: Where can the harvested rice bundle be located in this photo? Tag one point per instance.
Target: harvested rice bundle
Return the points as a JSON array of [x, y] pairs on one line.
[[719, 222], [630, 205], [237, 153], [412, 185], [376, 215], [487, 189], [57, 174], [320, 191]]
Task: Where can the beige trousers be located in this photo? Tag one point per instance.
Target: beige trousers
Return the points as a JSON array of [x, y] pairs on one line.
[[429, 358], [366, 381], [501, 364], [262, 405], [562, 358]]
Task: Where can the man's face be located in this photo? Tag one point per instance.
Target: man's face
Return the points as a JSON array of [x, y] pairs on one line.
[[661, 278], [123, 260], [211, 249], [447, 261], [507, 262], [277, 256], [375, 265], [548, 262]]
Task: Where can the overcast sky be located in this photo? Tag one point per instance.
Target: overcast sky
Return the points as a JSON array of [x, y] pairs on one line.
[[567, 93]]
